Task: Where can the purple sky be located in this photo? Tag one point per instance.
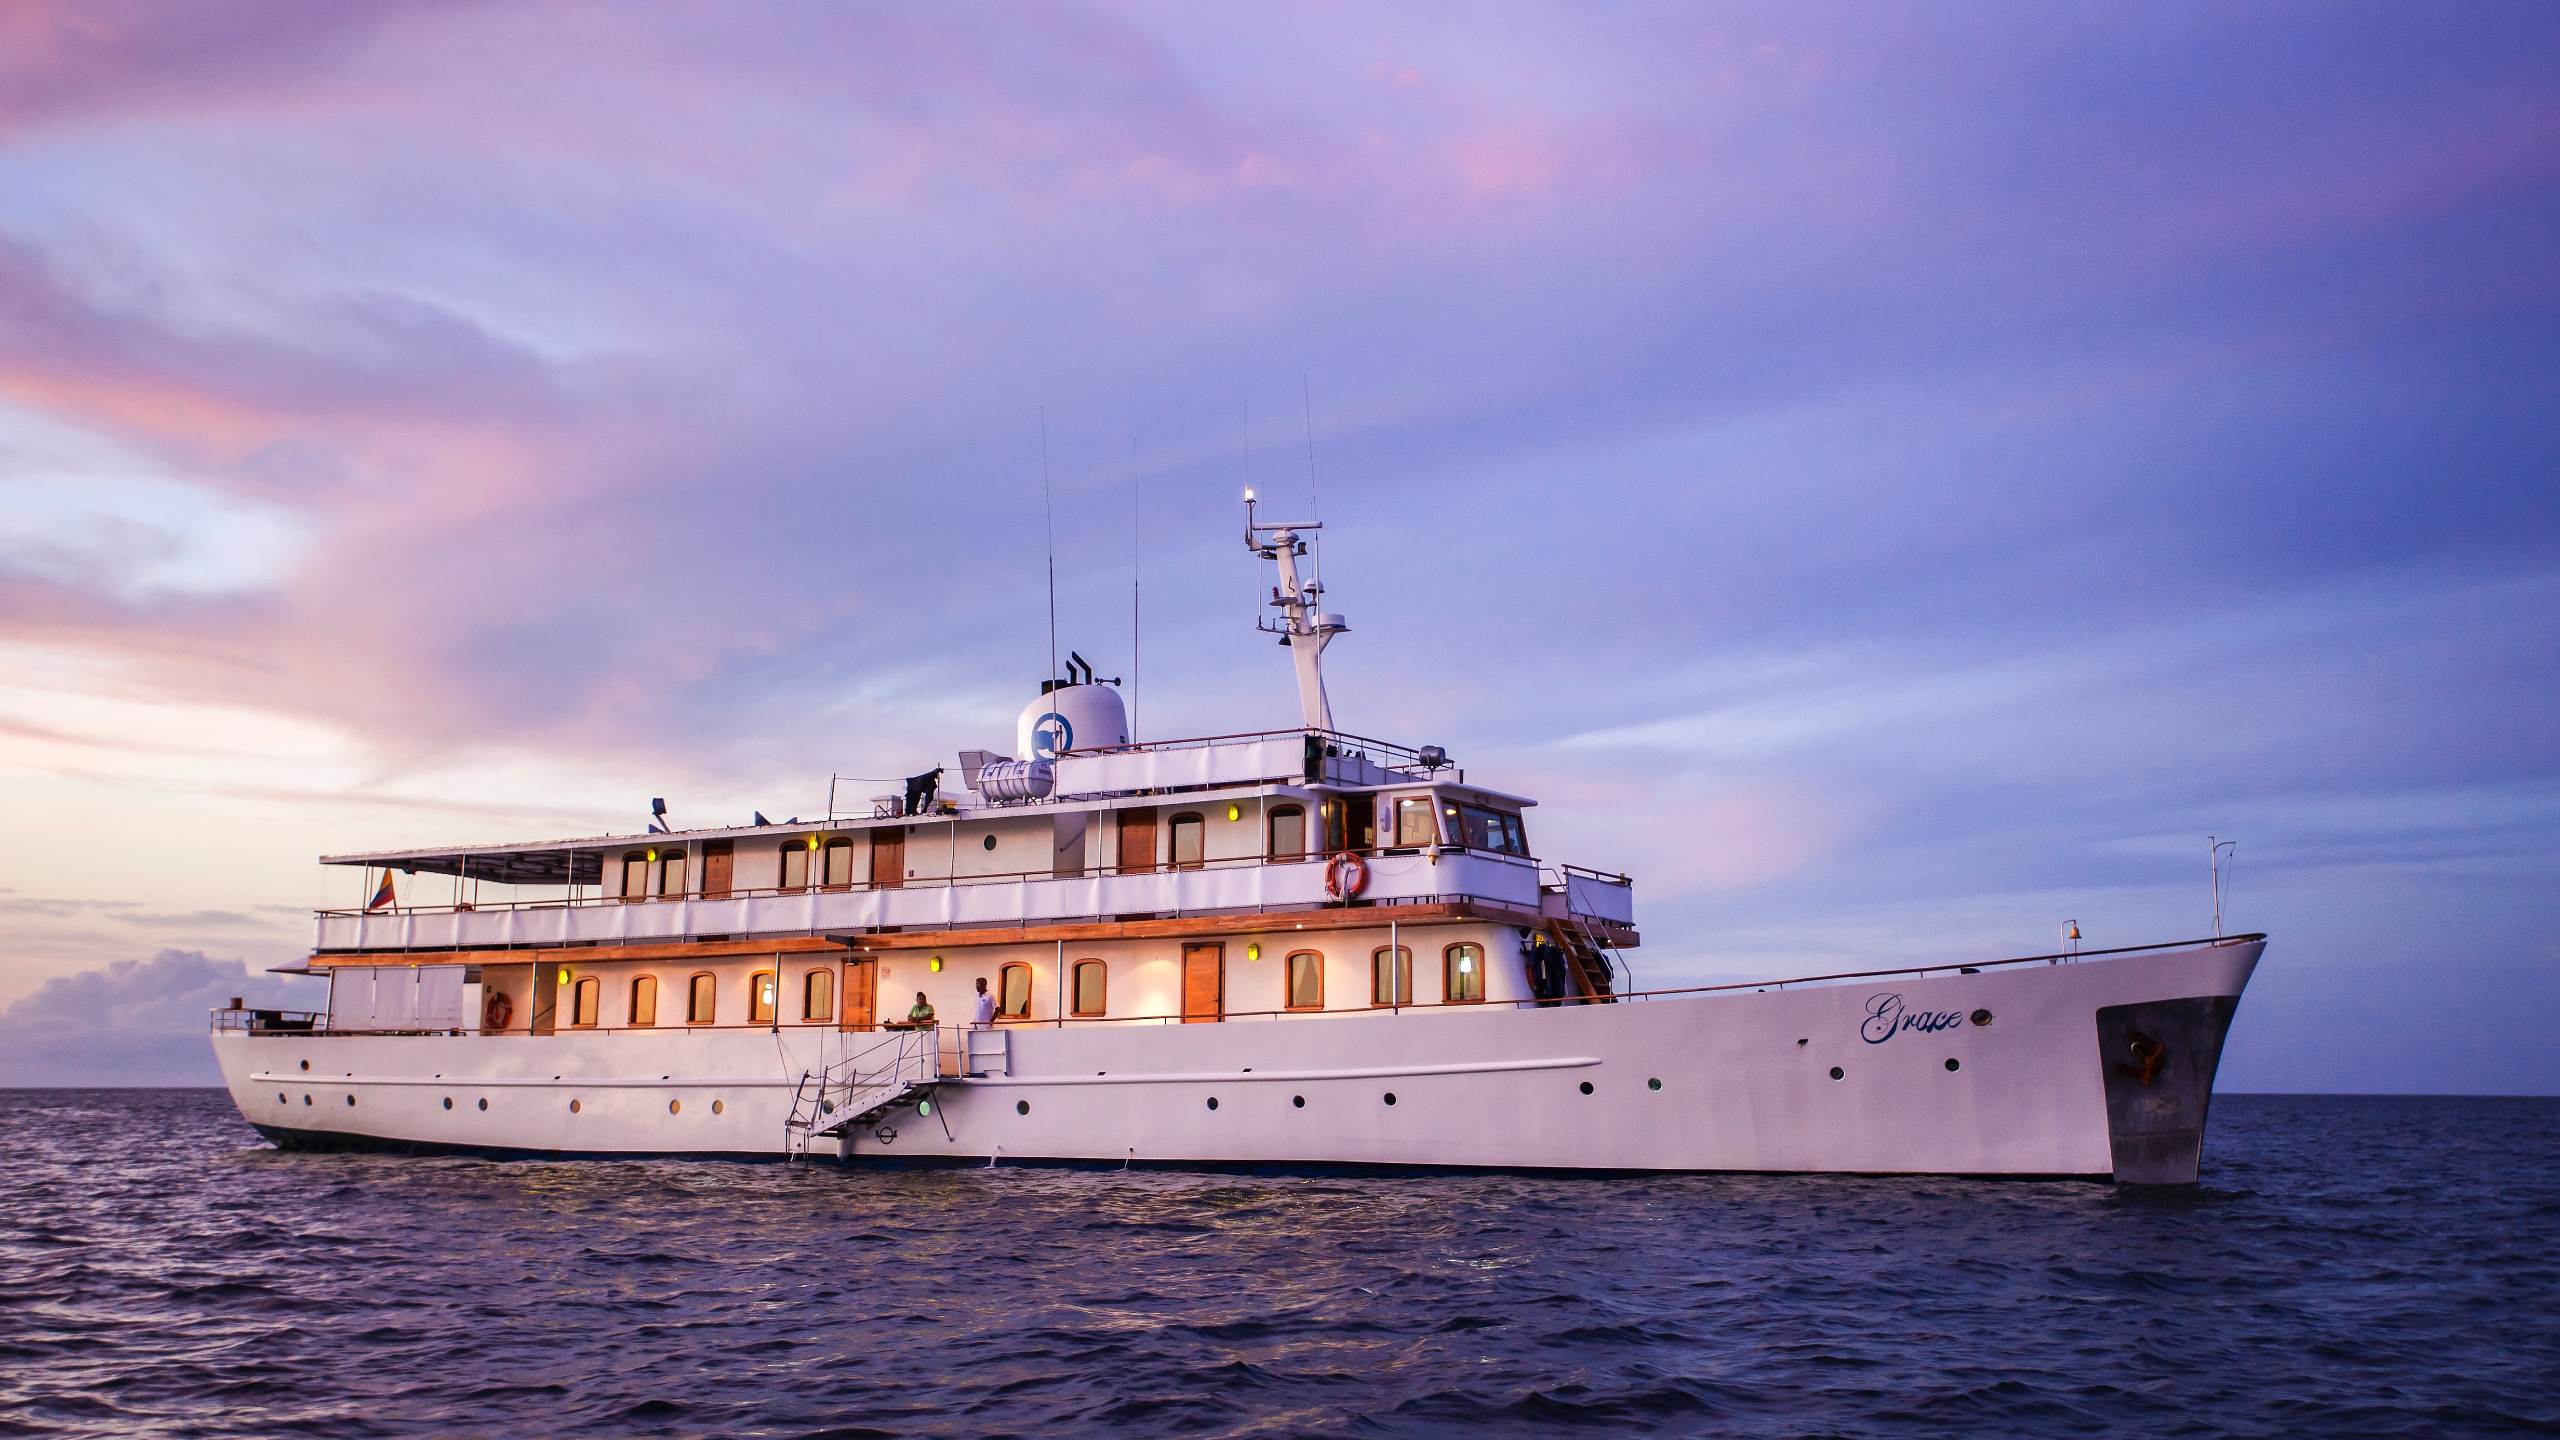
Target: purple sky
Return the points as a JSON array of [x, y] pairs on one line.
[[1893, 478]]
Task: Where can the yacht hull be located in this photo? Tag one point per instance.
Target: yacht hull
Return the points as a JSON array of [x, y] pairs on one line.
[[2100, 1069]]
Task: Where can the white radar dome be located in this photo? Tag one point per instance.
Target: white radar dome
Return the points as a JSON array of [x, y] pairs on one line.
[[1071, 717]]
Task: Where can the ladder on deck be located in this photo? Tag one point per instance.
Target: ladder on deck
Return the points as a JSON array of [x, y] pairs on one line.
[[1588, 956], [903, 1068]]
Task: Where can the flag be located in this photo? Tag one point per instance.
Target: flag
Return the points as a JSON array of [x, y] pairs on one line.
[[382, 893]]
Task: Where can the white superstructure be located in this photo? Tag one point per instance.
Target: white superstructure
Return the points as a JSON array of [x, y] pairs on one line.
[[1290, 948]]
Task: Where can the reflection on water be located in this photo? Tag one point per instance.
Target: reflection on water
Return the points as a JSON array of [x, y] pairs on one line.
[[2375, 1266]]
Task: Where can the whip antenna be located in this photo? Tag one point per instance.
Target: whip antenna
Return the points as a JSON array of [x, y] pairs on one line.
[[1049, 509]]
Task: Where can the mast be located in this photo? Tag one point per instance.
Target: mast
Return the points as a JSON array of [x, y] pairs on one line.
[[1302, 625]]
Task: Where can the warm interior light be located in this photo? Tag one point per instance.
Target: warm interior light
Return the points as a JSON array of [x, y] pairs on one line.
[[1253, 952], [935, 965], [1235, 812]]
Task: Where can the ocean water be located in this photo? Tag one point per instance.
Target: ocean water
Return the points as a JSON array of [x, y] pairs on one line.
[[2368, 1266]]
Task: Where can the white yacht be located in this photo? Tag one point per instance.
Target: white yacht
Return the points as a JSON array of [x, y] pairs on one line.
[[1299, 948]]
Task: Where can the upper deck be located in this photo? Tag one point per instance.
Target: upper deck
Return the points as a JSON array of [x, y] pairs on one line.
[[1218, 825]]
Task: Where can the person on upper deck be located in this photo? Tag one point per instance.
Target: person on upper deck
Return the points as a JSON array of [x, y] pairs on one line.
[[985, 1013], [920, 1014]]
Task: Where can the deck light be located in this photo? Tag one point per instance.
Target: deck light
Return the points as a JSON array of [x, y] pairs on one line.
[[1235, 812], [564, 974], [813, 842], [935, 964], [1253, 952], [653, 855]]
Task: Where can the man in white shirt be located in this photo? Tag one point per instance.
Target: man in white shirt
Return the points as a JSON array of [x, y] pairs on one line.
[[985, 1015]]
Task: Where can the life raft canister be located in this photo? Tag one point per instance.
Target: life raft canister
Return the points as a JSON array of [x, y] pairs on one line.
[[1345, 876], [497, 1012]]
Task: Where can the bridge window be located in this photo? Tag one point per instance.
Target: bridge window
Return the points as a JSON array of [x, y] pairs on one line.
[[671, 872], [635, 875], [702, 1004], [794, 874], [1306, 980], [1462, 973], [760, 998], [1414, 825], [1092, 981], [1289, 832], [1391, 976], [1189, 842], [584, 998], [644, 1000], [839, 862], [1482, 828], [818, 996], [1013, 991]]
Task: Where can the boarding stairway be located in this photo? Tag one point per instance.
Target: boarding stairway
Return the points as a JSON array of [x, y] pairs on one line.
[[1588, 958], [904, 1067]]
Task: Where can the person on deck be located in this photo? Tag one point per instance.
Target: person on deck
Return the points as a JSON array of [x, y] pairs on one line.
[[985, 1015], [920, 1014], [921, 790]]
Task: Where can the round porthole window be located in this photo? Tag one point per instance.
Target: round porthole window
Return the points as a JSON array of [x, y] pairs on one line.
[[448, 1102], [281, 1100], [574, 1107], [484, 1102], [989, 842], [1298, 1102], [1586, 1087], [306, 1099], [1391, 1097], [719, 1107], [1213, 1102], [351, 1102], [675, 1107], [1837, 1072], [1981, 1017], [1654, 1084], [1021, 1107], [306, 1064], [1953, 1065]]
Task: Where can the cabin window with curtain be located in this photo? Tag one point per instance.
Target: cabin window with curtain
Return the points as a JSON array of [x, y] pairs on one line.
[[1289, 832], [1190, 844], [585, 998], [635, 875], [1462, 973], [1306, 980], [1414, 823], [794, 874], [702, 1003], [839, 862], [1391, 976], [818, 996], [644, 1000], [1090, 991], [760, 998], [671, 872], [1013, 991]]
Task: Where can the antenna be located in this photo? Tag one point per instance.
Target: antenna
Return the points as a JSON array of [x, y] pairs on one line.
[[2221, 876], [1307, 405], [1132, 694], [1050, 510]]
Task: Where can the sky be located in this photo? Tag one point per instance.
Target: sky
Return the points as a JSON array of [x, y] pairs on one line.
[[1894, 479]]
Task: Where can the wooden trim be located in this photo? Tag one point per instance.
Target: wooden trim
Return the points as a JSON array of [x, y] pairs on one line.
[[808, 977], [711, 995], [631, 1001], [1001, 971], [1306, 827], [1448, 955], [773, 1010], [1075, 990], [595, 1013], [1173, 845], [1400, 986], [1288, 979]]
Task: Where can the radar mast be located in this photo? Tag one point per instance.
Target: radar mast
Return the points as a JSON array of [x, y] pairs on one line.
[[1303, 625]]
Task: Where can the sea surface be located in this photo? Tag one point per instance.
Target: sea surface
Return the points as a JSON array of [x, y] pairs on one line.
[[2364, 1266]]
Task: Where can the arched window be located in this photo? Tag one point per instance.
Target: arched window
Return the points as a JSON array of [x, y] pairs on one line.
[[794, 874], [1462, 973], [644, 1000], [760, 998], [818, 996], [1092, 982], [1391, 976], [585, 997], [1013, 991], [1288, 832], [839, 862], [670, 872], [702, 1002], [1306, 980], [1189, 842], [635, 875]]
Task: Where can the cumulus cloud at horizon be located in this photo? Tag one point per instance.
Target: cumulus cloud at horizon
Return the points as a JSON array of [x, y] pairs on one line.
[[135, 1022]]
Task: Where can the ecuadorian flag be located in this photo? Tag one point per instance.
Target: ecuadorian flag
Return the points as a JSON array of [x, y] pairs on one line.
[[382, 894]]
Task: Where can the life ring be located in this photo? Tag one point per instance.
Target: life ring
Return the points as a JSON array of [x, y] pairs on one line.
[[495, 1014], [1345, 876]]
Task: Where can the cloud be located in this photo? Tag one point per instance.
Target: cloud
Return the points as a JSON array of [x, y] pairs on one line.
[[132, 1022]]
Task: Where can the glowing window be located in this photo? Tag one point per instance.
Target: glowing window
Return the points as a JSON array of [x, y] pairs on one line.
[[1092, 978], [702, 1003], [760, 998], [1013, 991], [584, 998], [818, 996], [1306, 980], [1289, 832], [1462, 972], [644, 1000], [1391, 977], [1189, 842], [1414, 825]]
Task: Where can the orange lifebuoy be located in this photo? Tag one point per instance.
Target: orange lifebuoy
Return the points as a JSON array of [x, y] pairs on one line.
[[499, 1010], [1345, 876]]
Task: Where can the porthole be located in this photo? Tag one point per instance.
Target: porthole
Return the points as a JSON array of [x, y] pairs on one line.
[[1654, 1084], [1391, 1097], [1952, 1065], [1298, 1102], [1837, 1072], [675, 1107], [718, 1106], [484, 1102], [351, 1102], [306, 1064], [1213, 1102], [990, 842], [306, 1099], [1981, 1017], [448, 1102], [281, 1100], [1586, 1087], [573, 1107], [1021, 1107]]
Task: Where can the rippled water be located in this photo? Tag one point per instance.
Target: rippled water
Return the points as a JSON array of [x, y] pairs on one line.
[[2374, 1266]]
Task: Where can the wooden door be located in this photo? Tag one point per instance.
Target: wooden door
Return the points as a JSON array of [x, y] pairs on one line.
[[719, 857], [1137, 841], [889, 858], [1204, 983], [861, 983]]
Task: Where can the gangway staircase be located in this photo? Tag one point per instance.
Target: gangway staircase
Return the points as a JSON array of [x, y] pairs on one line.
[[900, 1069], [1588, 956]]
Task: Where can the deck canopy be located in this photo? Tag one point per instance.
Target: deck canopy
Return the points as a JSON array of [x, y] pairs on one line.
[[556, 862]]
